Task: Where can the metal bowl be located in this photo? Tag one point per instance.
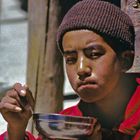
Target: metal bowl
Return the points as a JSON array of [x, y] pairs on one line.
[[62, 126]]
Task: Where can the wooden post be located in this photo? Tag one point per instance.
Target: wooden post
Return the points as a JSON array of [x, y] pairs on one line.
[[0, 10], [129, 6], [45, 74]]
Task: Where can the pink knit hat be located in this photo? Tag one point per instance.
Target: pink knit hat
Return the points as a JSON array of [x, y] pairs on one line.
[[101, 17]]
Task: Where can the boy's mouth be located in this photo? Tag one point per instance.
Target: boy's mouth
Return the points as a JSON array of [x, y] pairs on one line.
[[86, 83]]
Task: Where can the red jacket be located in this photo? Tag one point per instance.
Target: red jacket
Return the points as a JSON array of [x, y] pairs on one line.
[[130, 125]]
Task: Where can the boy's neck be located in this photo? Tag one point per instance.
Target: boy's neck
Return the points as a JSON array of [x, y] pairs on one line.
[[110, 111]]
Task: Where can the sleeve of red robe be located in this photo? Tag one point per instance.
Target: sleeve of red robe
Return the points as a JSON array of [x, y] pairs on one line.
[[131, 123], [28, 136]]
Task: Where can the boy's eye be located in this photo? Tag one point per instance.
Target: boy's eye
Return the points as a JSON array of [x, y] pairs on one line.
[[70, 60], [70, 57], [94, 54]]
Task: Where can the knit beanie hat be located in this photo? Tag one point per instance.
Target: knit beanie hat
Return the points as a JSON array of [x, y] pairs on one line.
[[101, 17]]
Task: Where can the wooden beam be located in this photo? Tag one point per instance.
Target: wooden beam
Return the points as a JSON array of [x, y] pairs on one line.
[[45, 74]]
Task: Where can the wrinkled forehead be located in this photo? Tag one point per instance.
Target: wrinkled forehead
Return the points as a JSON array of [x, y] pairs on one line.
[[84, 40]]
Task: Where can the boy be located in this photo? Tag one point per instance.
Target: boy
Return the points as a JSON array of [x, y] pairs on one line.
[[97, 41]]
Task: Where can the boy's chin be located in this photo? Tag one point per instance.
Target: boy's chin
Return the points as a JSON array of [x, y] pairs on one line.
[[90, 99]]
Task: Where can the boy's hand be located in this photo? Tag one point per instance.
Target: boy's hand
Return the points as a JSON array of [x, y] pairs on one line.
[[16, 107], [96, 134]]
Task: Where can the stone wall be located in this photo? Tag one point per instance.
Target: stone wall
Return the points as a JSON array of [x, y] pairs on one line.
[[132, 8]]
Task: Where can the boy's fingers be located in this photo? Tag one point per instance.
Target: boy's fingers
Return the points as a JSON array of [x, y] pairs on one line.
[[10, 100], [12, 94], [11, 97], [20, 89], [30, 98], [25, 95], [97, 134], [4, 107]]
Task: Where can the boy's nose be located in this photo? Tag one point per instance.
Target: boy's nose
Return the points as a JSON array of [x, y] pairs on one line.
[[83, 68]]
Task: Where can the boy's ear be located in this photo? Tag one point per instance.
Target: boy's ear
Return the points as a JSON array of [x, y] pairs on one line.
[[127, 58]]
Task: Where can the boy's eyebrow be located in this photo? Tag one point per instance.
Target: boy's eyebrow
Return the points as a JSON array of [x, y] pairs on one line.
[[94, 46], [69, 52]]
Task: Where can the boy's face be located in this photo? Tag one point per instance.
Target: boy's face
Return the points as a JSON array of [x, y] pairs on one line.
[[92, 66]]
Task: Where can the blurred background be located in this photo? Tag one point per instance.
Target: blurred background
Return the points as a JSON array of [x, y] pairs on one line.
[[13, 46]]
